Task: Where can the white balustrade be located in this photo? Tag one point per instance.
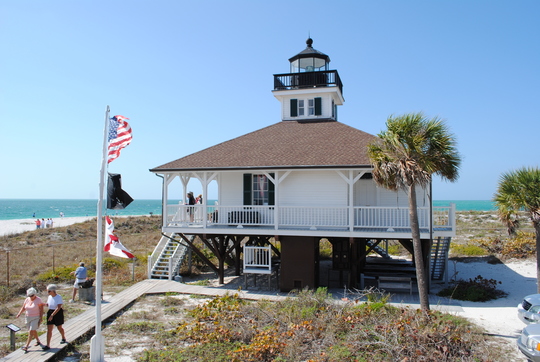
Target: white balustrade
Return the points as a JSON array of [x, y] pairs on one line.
[[305, 216]]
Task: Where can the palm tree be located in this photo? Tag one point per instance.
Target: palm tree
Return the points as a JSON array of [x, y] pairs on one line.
[[520, 190], [405, 156]]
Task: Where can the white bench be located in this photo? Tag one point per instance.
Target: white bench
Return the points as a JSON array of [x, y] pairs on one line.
[[396, 284], [258, 260]]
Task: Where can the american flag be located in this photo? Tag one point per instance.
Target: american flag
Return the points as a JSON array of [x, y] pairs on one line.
[[119, 136]]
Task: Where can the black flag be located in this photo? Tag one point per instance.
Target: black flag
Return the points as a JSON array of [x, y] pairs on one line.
[[116, 197]]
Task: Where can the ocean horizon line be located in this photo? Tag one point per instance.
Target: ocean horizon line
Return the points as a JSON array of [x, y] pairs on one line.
[[11, 209]]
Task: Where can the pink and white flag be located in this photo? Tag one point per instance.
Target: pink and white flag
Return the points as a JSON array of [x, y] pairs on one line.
[[113, 245]]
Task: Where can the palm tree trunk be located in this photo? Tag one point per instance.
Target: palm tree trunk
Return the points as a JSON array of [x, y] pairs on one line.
[[537, 231], [421, 275]]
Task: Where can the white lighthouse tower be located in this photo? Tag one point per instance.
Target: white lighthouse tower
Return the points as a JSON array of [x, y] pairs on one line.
[[310, 92]]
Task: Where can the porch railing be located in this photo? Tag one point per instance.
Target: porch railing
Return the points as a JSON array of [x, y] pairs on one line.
[[325, 78], [306, 216]]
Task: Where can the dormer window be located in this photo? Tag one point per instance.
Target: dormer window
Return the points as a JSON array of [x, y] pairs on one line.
[[306, 107], [311, 107]]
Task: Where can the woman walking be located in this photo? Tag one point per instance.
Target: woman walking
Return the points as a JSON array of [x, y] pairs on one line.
[[55, 315], [33, 306]]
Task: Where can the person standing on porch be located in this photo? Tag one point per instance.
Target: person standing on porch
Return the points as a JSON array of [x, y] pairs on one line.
[[191, 210]]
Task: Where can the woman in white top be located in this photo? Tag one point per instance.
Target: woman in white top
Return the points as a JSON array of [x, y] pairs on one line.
[[55, 315]]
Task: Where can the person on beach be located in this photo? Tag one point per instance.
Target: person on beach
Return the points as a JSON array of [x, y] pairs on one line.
[[43, 223], [38, 223], [198, 200], [191, 210], [33, 307], [55, 315], [81, 275]]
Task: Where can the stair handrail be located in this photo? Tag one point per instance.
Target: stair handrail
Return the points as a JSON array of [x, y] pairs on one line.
[[153, 258], [177, 258]]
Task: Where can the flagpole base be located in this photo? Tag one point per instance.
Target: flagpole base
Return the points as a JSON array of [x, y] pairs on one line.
[[97, 349]]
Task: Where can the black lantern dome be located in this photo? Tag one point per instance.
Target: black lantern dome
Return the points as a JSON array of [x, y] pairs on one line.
[[309, 60]]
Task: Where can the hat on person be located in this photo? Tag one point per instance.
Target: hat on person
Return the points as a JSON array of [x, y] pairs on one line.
[[30, 292]]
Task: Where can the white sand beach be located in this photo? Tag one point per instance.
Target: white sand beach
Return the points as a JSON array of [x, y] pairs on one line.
[[499, 317], [21, 225]]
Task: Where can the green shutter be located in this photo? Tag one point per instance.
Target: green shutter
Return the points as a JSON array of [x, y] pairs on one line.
[[318, 106], [294, 107], [272, 191], [247, 189]]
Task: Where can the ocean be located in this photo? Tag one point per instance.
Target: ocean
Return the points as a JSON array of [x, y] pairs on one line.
[[44, 208]]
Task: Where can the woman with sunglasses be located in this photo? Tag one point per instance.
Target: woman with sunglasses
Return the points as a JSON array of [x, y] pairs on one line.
[[33, 306]]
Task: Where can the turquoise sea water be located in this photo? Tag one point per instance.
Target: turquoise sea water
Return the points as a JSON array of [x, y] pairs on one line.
[[27, 208], [468, 205]]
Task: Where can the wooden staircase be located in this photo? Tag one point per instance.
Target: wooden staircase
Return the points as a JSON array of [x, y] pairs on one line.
[[167, 257], [439, 257], [381, 251]]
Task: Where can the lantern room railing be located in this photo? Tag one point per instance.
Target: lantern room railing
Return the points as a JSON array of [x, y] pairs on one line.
[[289, 81]]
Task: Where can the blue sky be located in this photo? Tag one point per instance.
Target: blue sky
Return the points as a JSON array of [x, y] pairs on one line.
[[192, 74]]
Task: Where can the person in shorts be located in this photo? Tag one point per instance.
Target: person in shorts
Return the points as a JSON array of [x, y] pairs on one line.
[[81, 275], [33, 306], [55, 315]]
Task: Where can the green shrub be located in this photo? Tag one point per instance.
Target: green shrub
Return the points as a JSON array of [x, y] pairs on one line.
[[312, 326], [477, 290], [112, 263], [202, 283], [467, 250], [325, 249], [6, 294], [521, 245], [59, 275]]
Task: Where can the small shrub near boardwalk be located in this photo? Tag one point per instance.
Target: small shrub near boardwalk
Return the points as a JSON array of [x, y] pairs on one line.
[[478, 289]]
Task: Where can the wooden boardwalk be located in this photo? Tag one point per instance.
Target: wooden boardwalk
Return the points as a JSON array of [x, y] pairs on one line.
[[84, 323]]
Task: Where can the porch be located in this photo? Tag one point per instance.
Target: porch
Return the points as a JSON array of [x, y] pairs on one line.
[[357, 221]]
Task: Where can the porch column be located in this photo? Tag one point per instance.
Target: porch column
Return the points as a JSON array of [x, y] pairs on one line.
[[351, 201], [205, 199], [165, 211], [276, 200]]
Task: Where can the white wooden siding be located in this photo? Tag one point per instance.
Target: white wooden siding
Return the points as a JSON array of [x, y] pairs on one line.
[[317, 188], [326, 106], [400, 198], [365, 193], [231, 189]]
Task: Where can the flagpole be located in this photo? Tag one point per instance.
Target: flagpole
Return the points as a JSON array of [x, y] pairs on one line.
[[97, 345]]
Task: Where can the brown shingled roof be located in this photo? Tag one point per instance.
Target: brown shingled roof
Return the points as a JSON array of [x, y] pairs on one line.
[[287, 144]]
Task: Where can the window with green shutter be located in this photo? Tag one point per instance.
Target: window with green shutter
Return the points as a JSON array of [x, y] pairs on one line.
[[258, 190], [318, 106], [294, 107]]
